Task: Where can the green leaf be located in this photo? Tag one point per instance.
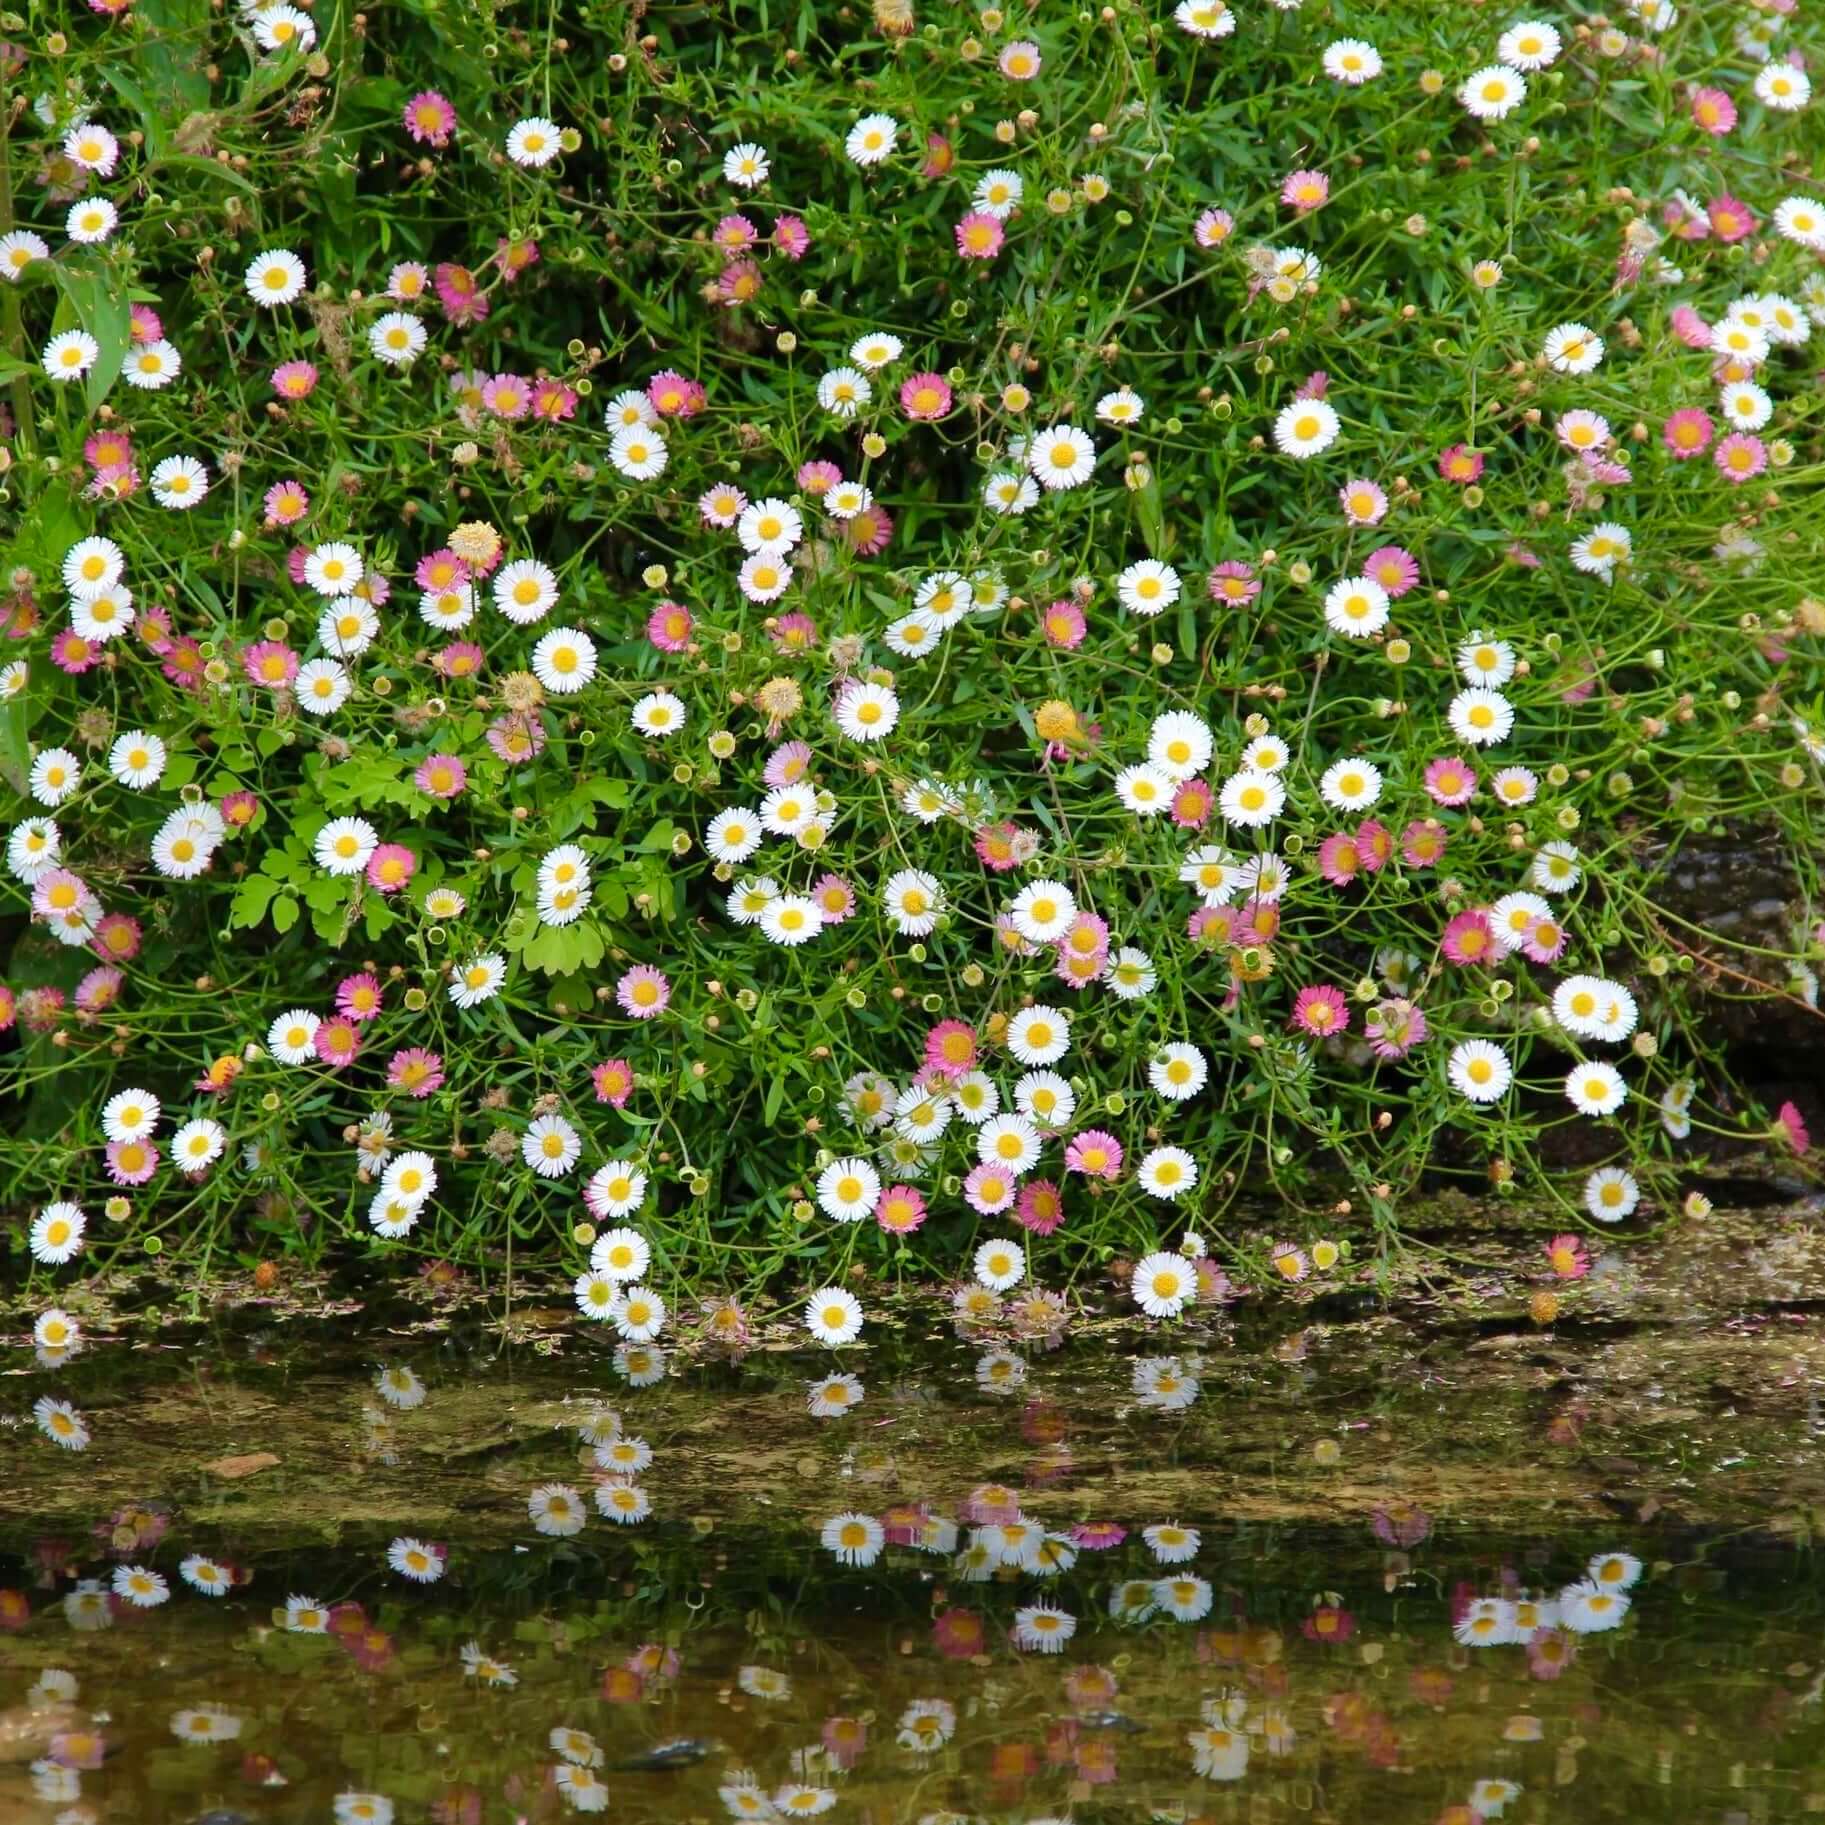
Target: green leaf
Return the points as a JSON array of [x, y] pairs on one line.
[[16, 745], [251, 900], [563, 950], [98, 296], [284, 913]]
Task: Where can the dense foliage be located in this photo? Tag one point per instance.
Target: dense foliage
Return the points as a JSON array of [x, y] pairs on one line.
[[780, 625]]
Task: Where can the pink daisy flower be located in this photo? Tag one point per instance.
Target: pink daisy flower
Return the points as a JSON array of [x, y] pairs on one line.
[[391, 867], [818, 477], [294, 379], [553, 401], [924, 396], [870, 531], [900, 1209], [1690, 327], [1365, 503], [1730, 219], [834, 898], [1290, 1263], [950, 1049], [1545, 941], [1394, 1028], [415, 1071], [459, 297], [721, 507], [440, 569], [791, 237], [1468, 939], [787, 764], [1086, 936], [154, 626], [99, 989], [1461, 464], [1098, 1536], [999, 847], [1040, 1209], [669, 627], [107, 449], [1305, 191], [238, 809], [514, 255], [359, 996], [1192, 803], [1713, 111], [1791, 1126], [1077, 972], [286, 503], [643, 992], [1328, 1624], [1095, 1153], [271, 663], [41, 1008], [1567, 1257], [144, 324], [1064, 625], [1321, 1010], [1450, 781], [979, 236], [1374, 844], [337, 1041], [1213, 227], [1339, 860], [988, 1190], [183, 662], [516, 739], [1423, 842], [675, 395], [735, 234], [131, 1162], [1687, 432], [793, 633], [1233, 583], [507, 396], [71, 653], [613, 1080], [1740, 457], [739, 283], [1020, 61], [460, 659], [1550, 1652], [430, 119], [1394, 568], [440, 776], [118, 936]]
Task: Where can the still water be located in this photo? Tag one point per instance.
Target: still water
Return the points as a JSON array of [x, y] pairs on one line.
[[432, 1570]]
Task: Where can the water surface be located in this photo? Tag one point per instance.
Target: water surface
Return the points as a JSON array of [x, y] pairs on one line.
[[1352, 1633]]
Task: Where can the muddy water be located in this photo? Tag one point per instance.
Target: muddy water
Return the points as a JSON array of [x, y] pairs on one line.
[[1377, 1499]]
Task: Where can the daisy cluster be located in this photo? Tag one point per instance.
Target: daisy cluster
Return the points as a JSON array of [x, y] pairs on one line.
[[902, 671]]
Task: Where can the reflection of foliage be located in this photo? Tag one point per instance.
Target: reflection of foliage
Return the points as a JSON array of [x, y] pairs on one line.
[[1704, 1664], [1336, 1580]]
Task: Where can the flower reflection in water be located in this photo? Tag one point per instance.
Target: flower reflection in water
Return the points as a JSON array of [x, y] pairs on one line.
[[933, 1595]]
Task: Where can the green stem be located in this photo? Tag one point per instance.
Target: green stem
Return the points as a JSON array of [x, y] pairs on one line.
[[12, 332]]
